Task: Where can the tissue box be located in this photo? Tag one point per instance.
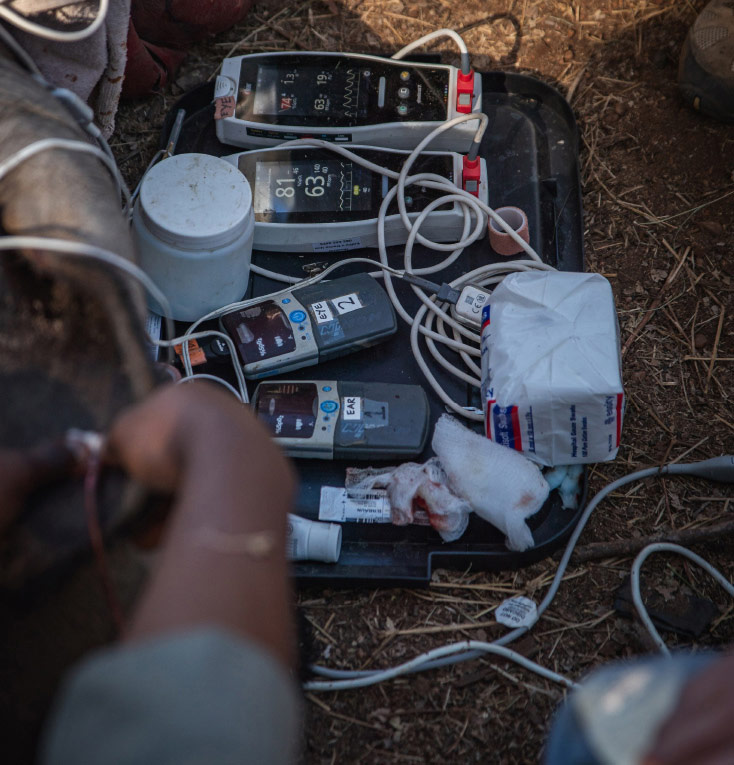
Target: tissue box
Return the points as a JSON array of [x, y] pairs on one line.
[[551, 367]]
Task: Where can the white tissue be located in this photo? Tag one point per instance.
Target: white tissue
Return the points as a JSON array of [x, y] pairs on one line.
[[501, 485]]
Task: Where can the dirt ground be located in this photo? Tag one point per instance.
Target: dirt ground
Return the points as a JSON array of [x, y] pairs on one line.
[[658, 190]]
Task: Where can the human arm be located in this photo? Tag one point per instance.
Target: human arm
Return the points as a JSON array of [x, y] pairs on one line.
[[202, 673], [230, 484]]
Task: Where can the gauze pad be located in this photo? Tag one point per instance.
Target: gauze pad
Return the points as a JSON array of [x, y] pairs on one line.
[[502, 486]]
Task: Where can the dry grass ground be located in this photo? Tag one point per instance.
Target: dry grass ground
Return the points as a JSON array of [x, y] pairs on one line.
[[658, 183]]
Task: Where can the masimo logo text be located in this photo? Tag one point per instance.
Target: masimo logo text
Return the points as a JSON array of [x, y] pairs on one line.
[[278, 424]]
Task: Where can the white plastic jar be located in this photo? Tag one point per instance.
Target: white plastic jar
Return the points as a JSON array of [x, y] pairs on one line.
[[193, 223]]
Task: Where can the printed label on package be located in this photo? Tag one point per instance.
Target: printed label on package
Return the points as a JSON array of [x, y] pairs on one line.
[[338, 245], [321, 311], [351, 408], [517, 612], [347, 303], [505, 426], [486, 311], [363, 505], [474, 301]]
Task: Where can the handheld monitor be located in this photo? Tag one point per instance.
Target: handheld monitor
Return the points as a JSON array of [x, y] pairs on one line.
[[266, 98], [327, 419], [313, 200], [310, 324]]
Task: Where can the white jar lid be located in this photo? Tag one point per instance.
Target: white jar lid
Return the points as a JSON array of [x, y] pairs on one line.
[[195, 201]]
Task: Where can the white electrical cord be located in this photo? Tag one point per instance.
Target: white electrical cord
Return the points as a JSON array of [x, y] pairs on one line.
[[78, 109], [719, 468], [242, 304], [470, 206], [84, 250], [104, 154], [635, 584], [463, 50], [430, 309], [184, 340], [54, 34], [276, 277], [450, 650], [68, 247], [47, 144], [463, 341]]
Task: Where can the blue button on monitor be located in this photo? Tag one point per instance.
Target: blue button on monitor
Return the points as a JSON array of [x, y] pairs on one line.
[[297, 316], [329, 406], [326, 388], [286, 301]]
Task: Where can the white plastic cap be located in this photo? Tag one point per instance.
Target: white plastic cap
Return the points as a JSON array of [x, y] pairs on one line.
[[193, 224], [195, 201], [324, 542]]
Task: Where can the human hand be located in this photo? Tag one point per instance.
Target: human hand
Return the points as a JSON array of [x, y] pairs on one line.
[[192, 427], [701, 729], [230, 483], [22, 471]]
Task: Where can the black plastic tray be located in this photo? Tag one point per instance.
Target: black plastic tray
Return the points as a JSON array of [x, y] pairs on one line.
[[531, 150]]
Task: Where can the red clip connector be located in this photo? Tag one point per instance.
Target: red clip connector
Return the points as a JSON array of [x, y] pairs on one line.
[[470, 175], [464, 92]]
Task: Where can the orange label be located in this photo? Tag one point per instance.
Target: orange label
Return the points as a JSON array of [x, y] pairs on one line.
[[223, 107], [196, 355]]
